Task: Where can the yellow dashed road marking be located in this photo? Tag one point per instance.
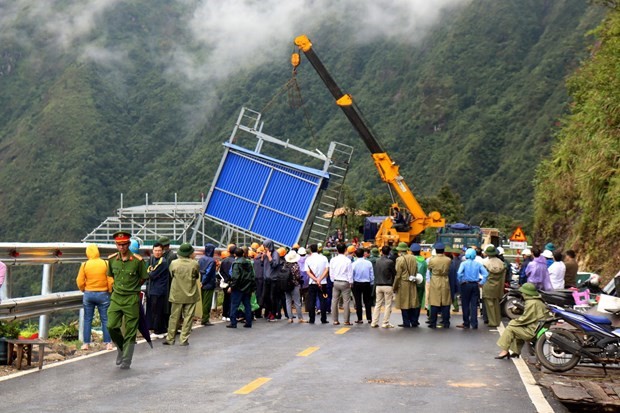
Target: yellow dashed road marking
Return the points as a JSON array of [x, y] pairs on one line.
[[249, 388], [307, 351], [342, 330]]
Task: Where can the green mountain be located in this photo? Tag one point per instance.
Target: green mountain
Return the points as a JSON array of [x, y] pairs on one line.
[[135, 96], [578, 187]]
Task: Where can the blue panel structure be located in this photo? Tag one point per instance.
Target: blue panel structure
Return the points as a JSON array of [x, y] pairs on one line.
[[263, 195]]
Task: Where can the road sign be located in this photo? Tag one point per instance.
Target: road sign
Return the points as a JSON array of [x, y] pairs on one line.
[[517, 245], [518, 235]]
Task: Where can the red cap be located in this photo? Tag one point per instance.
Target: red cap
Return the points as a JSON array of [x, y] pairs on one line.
[[121, 237]]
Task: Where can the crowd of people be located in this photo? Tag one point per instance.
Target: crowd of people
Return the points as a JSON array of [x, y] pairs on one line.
[[261, 281]]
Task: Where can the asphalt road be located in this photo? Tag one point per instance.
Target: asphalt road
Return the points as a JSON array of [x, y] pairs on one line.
[[360, 370]]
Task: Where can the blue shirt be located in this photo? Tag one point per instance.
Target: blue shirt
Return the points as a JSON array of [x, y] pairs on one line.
[[472, 271], [362, 271]]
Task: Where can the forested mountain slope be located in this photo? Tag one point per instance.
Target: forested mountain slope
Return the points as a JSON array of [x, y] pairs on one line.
[[578, 186], [99, 98]]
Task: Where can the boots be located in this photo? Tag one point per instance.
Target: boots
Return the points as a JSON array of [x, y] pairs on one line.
[[119, 355], [127, 356]]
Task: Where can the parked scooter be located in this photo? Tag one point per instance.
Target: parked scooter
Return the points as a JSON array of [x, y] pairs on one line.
[[592, 339], [512, 303]]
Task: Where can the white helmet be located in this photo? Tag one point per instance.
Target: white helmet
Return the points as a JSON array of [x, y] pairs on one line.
[[526, 252], [419, 278], [547, 254], [594, 279]]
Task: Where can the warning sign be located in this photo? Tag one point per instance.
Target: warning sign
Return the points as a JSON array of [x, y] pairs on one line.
[[518, 235]]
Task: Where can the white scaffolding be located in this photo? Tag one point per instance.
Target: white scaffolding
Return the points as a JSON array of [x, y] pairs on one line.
[[186, 221]]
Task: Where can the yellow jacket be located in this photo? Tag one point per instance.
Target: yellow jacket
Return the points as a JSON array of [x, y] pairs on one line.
[[93, 273]]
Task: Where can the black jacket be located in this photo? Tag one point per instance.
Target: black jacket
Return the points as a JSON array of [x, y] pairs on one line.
[[207, 268], [385, 271]]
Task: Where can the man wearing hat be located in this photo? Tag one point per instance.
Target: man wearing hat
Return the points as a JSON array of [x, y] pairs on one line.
[[527, 258], [129, 272], [184, 294], [405, 287], [493, 288], [439, 292], [523, 328], [294, 296], [169, 255]]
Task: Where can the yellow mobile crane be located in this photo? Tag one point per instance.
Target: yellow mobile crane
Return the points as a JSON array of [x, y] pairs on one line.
[[390, 232]]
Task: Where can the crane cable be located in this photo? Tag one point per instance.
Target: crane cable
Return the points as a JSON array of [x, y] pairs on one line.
[[295, 100]]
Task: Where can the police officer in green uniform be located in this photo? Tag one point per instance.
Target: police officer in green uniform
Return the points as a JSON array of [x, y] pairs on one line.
[[129, 272]]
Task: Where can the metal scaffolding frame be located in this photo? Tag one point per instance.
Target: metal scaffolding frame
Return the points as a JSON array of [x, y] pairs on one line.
[[179, 221], [186, 221]]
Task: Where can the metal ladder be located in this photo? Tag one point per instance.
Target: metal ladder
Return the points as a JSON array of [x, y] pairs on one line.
[[329, 198]]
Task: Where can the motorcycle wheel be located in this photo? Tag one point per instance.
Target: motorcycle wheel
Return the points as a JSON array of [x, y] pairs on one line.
[[553, 357], [511, 310]]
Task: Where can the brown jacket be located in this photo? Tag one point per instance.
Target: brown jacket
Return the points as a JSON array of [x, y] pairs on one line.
[[406, 291], [439, 291]]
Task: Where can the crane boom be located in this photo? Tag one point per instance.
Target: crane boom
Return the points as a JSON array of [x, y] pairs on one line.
[[387, 168]]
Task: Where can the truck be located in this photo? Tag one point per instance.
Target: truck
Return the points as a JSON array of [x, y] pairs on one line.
[[406, 221], [459, 235]]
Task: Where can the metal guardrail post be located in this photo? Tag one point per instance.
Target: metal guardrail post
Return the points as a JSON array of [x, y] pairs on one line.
[[81, 325], [46, 289]]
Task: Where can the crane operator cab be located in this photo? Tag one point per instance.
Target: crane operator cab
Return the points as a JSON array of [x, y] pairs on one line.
[[400, 219]]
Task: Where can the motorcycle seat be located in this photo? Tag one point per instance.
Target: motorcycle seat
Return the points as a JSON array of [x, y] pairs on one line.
[[598, 319]]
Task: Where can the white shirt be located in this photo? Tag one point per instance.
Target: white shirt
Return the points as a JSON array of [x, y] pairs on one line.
[[317, 263], [557, 271], [340, 269]]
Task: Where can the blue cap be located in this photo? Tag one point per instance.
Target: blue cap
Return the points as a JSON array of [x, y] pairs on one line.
[[415, 247], [134, 246], [439, 246]]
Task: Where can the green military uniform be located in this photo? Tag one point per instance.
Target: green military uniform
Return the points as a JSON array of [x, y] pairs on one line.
[[493, 289], [523, 328], [422, 286], [128, 274], [184, 294]]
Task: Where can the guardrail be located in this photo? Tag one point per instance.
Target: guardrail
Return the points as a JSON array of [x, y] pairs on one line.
[[27, 307], [48, 255]]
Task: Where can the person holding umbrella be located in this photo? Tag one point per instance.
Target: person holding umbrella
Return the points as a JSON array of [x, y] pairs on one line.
[[129, 272]]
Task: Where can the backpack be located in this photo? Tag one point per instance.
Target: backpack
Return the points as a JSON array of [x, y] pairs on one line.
[[284, 278]]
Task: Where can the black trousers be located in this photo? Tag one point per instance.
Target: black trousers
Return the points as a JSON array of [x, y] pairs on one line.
[[313, 292], [156, 313], [362, 292], [226, 305], [272, 298]]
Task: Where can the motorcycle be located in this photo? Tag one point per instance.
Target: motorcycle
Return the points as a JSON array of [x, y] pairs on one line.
[[591, 338], [513, 303]]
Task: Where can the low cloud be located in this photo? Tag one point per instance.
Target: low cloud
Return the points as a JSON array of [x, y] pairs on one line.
[[228, 36], [246, 33]]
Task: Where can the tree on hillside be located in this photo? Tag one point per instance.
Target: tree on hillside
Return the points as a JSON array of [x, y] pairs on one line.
[[577, 199]]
